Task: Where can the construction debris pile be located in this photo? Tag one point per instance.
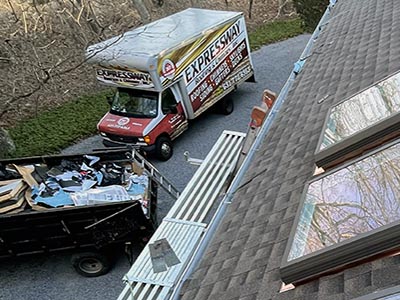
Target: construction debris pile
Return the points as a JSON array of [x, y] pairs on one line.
[[70, 183]]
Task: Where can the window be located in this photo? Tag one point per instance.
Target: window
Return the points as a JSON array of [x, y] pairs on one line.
[[135, 103], [346, 215], [360, 122], [168, 101]]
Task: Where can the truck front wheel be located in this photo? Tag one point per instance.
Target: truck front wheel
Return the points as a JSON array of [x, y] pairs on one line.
[[163, 148], [91, 264]]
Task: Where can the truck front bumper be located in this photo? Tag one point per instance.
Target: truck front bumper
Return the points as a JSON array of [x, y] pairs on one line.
[[142, 146]]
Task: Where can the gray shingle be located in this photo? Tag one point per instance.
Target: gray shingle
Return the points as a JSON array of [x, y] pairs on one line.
[[359, 46], [386, 276], [361, 282]]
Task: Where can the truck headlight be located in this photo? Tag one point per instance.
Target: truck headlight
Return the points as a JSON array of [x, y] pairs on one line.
[[102, 134]]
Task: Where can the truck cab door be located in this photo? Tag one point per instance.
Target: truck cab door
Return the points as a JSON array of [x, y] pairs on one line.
[[171, 107]]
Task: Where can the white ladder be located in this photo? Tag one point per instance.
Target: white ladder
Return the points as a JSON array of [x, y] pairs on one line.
[[152, 172]]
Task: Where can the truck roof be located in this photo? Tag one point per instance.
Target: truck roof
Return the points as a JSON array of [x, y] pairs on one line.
[[131, 48]]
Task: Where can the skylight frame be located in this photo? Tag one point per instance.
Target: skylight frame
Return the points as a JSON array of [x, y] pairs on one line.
[[365, 246], [356, 144], [380, 295]]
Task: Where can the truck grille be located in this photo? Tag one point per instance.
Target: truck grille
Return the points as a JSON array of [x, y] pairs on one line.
[[122, 139]]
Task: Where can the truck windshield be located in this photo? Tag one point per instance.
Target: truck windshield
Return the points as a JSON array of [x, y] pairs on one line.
[[135, 103]]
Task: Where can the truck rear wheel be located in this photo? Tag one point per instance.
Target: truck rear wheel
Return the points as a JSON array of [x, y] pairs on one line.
[[225, 106], [91, 264], [163, 148]]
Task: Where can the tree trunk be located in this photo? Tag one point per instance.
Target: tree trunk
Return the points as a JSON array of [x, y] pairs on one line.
[[142, 10], [6, 143]]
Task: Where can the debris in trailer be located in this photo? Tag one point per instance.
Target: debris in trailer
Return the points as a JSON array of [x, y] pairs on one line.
[[39, 187]]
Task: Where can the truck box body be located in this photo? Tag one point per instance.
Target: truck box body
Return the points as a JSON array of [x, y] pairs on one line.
[[178, 66]]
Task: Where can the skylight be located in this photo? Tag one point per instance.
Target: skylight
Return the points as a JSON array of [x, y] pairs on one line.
[[344, 209], [357, 199], [356, 123], [362, 110]]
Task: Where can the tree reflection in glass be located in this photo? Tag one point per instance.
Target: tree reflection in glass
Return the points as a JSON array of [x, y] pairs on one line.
[[362, 110], [353, 200]]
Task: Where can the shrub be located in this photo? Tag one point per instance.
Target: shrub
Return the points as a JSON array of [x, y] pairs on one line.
[[310, 12]]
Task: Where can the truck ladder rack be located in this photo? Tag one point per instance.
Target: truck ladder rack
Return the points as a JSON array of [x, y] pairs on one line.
[[155, 174]]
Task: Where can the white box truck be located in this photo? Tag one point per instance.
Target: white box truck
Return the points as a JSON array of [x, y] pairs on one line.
[[169, 72]]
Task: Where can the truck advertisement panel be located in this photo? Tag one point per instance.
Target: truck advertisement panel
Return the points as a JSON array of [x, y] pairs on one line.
[[212, 64]]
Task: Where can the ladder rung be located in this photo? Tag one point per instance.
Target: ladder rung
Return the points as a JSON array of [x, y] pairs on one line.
[[155, 174]]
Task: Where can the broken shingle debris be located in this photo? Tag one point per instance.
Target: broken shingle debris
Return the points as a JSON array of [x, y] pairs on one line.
[[70, 183]]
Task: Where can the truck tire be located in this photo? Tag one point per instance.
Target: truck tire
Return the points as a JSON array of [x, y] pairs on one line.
[[163, 148], [91, 264], [225, 106]]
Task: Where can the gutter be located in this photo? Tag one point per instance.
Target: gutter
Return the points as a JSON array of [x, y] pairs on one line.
[[235, 185]]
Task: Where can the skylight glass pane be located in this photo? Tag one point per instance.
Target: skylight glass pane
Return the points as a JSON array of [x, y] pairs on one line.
[[348, 202], [363, 110]]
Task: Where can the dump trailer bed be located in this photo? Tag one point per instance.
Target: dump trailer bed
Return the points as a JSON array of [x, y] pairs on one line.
[[90, 230]]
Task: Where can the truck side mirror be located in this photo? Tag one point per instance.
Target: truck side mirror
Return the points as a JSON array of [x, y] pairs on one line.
[[170, 109], [173, 109]]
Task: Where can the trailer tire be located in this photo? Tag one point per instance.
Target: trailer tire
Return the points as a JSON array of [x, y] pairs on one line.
[[225, 106], [91, 264], [164, 148]]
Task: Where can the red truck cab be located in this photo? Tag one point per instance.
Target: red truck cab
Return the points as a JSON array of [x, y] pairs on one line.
[[144, 119]]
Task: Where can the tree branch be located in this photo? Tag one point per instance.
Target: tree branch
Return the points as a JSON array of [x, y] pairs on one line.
[[13, 11]]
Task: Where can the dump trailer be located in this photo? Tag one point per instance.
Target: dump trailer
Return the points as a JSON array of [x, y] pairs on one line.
[[169, 72], [85, 203]]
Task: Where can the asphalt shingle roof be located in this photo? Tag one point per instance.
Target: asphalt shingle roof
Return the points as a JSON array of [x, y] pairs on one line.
[[359, 46]]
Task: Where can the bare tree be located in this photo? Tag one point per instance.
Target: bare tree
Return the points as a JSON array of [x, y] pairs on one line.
[[44, 48]]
